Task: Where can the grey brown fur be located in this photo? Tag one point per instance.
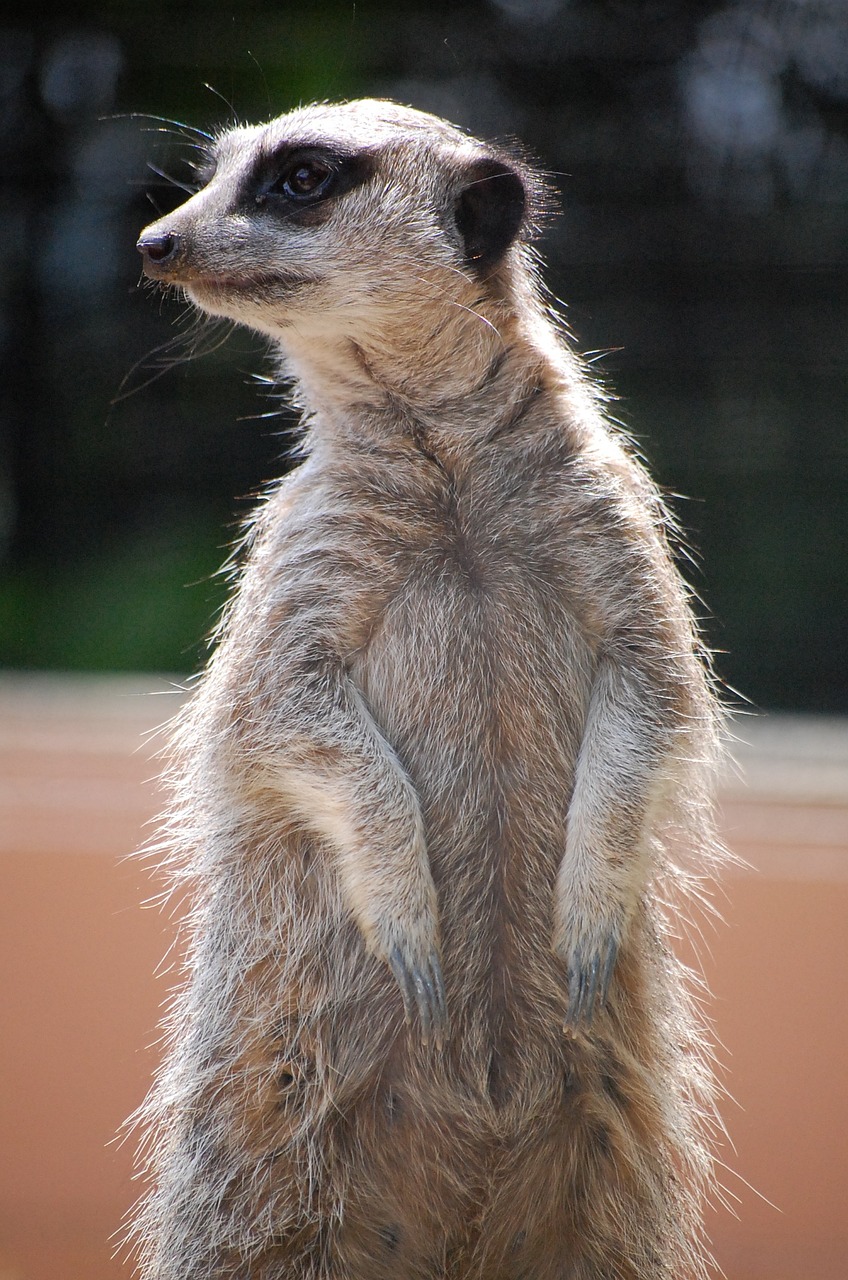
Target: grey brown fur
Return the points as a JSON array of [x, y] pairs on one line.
[[455, 727]]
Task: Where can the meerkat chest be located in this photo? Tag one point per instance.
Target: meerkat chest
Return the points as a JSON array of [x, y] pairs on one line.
[[472, 664], [454, 619]]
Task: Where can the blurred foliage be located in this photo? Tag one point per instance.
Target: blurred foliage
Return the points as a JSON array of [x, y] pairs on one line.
[[130, 605], [701, 150]]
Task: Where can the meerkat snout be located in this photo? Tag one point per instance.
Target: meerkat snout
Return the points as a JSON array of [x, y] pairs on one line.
[[158, 250]]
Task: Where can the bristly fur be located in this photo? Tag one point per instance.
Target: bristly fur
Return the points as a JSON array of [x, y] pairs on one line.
[[458, 727]]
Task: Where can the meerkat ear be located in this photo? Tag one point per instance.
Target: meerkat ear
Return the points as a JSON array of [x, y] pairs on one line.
[[490, 210]]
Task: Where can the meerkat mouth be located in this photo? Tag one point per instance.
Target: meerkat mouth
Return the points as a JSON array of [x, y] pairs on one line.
[[214, 293], [263, 282]]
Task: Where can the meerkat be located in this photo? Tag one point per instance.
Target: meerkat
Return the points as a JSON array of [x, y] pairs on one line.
[[429, 790]]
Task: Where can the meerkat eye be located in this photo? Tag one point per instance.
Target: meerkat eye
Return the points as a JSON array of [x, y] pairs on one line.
[[304, 180], [307, 180]]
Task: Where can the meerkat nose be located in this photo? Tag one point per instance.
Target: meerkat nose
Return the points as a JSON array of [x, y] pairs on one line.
[[160, 248]]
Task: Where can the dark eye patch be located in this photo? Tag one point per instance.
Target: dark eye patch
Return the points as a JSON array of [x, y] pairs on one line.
[[300, 178]]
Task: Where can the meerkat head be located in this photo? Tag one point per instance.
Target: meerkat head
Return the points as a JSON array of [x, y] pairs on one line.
[[344, 220]]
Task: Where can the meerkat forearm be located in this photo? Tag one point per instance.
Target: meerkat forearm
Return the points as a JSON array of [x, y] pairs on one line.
[[346, 784], [604, 868]]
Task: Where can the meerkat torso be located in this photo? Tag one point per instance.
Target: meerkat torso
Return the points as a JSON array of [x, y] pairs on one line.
[[432, 1027]]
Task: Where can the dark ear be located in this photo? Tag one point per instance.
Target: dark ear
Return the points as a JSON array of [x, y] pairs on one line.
[[490, 211]]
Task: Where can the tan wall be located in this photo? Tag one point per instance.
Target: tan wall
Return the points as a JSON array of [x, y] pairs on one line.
[[79, 1002]]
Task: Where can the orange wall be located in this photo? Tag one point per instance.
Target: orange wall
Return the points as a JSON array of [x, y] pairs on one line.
[[781, 1011], [79, 1002]]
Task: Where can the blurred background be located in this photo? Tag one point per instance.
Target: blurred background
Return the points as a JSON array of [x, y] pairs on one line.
[[701, 152], [700, 149]]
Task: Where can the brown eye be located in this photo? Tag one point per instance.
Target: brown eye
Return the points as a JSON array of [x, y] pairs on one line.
[[306, 180]]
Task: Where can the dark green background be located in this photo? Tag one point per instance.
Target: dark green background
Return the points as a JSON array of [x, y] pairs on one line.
[[701, 153]]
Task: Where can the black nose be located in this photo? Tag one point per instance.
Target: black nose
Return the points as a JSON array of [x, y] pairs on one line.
[[160, 248]]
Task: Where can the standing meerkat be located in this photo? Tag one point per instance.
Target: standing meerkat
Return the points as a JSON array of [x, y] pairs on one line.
[[426, 790]]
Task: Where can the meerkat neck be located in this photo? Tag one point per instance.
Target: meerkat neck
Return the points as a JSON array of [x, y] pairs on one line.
[[452, 375], [417, 358]]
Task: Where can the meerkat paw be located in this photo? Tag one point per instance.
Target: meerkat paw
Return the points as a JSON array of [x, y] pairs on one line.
[[423, 991], [403, 932], [590, 973], [589, 955]]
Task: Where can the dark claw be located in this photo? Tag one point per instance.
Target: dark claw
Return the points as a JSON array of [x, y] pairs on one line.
[[441, 999], [589, 984], [424, 998], [422, 989], [404, 981], [609, 966]]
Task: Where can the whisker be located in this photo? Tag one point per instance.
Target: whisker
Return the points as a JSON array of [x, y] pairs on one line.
[[145, 115], [170, 179], [226, 102], [181, 138], [199, 325]]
